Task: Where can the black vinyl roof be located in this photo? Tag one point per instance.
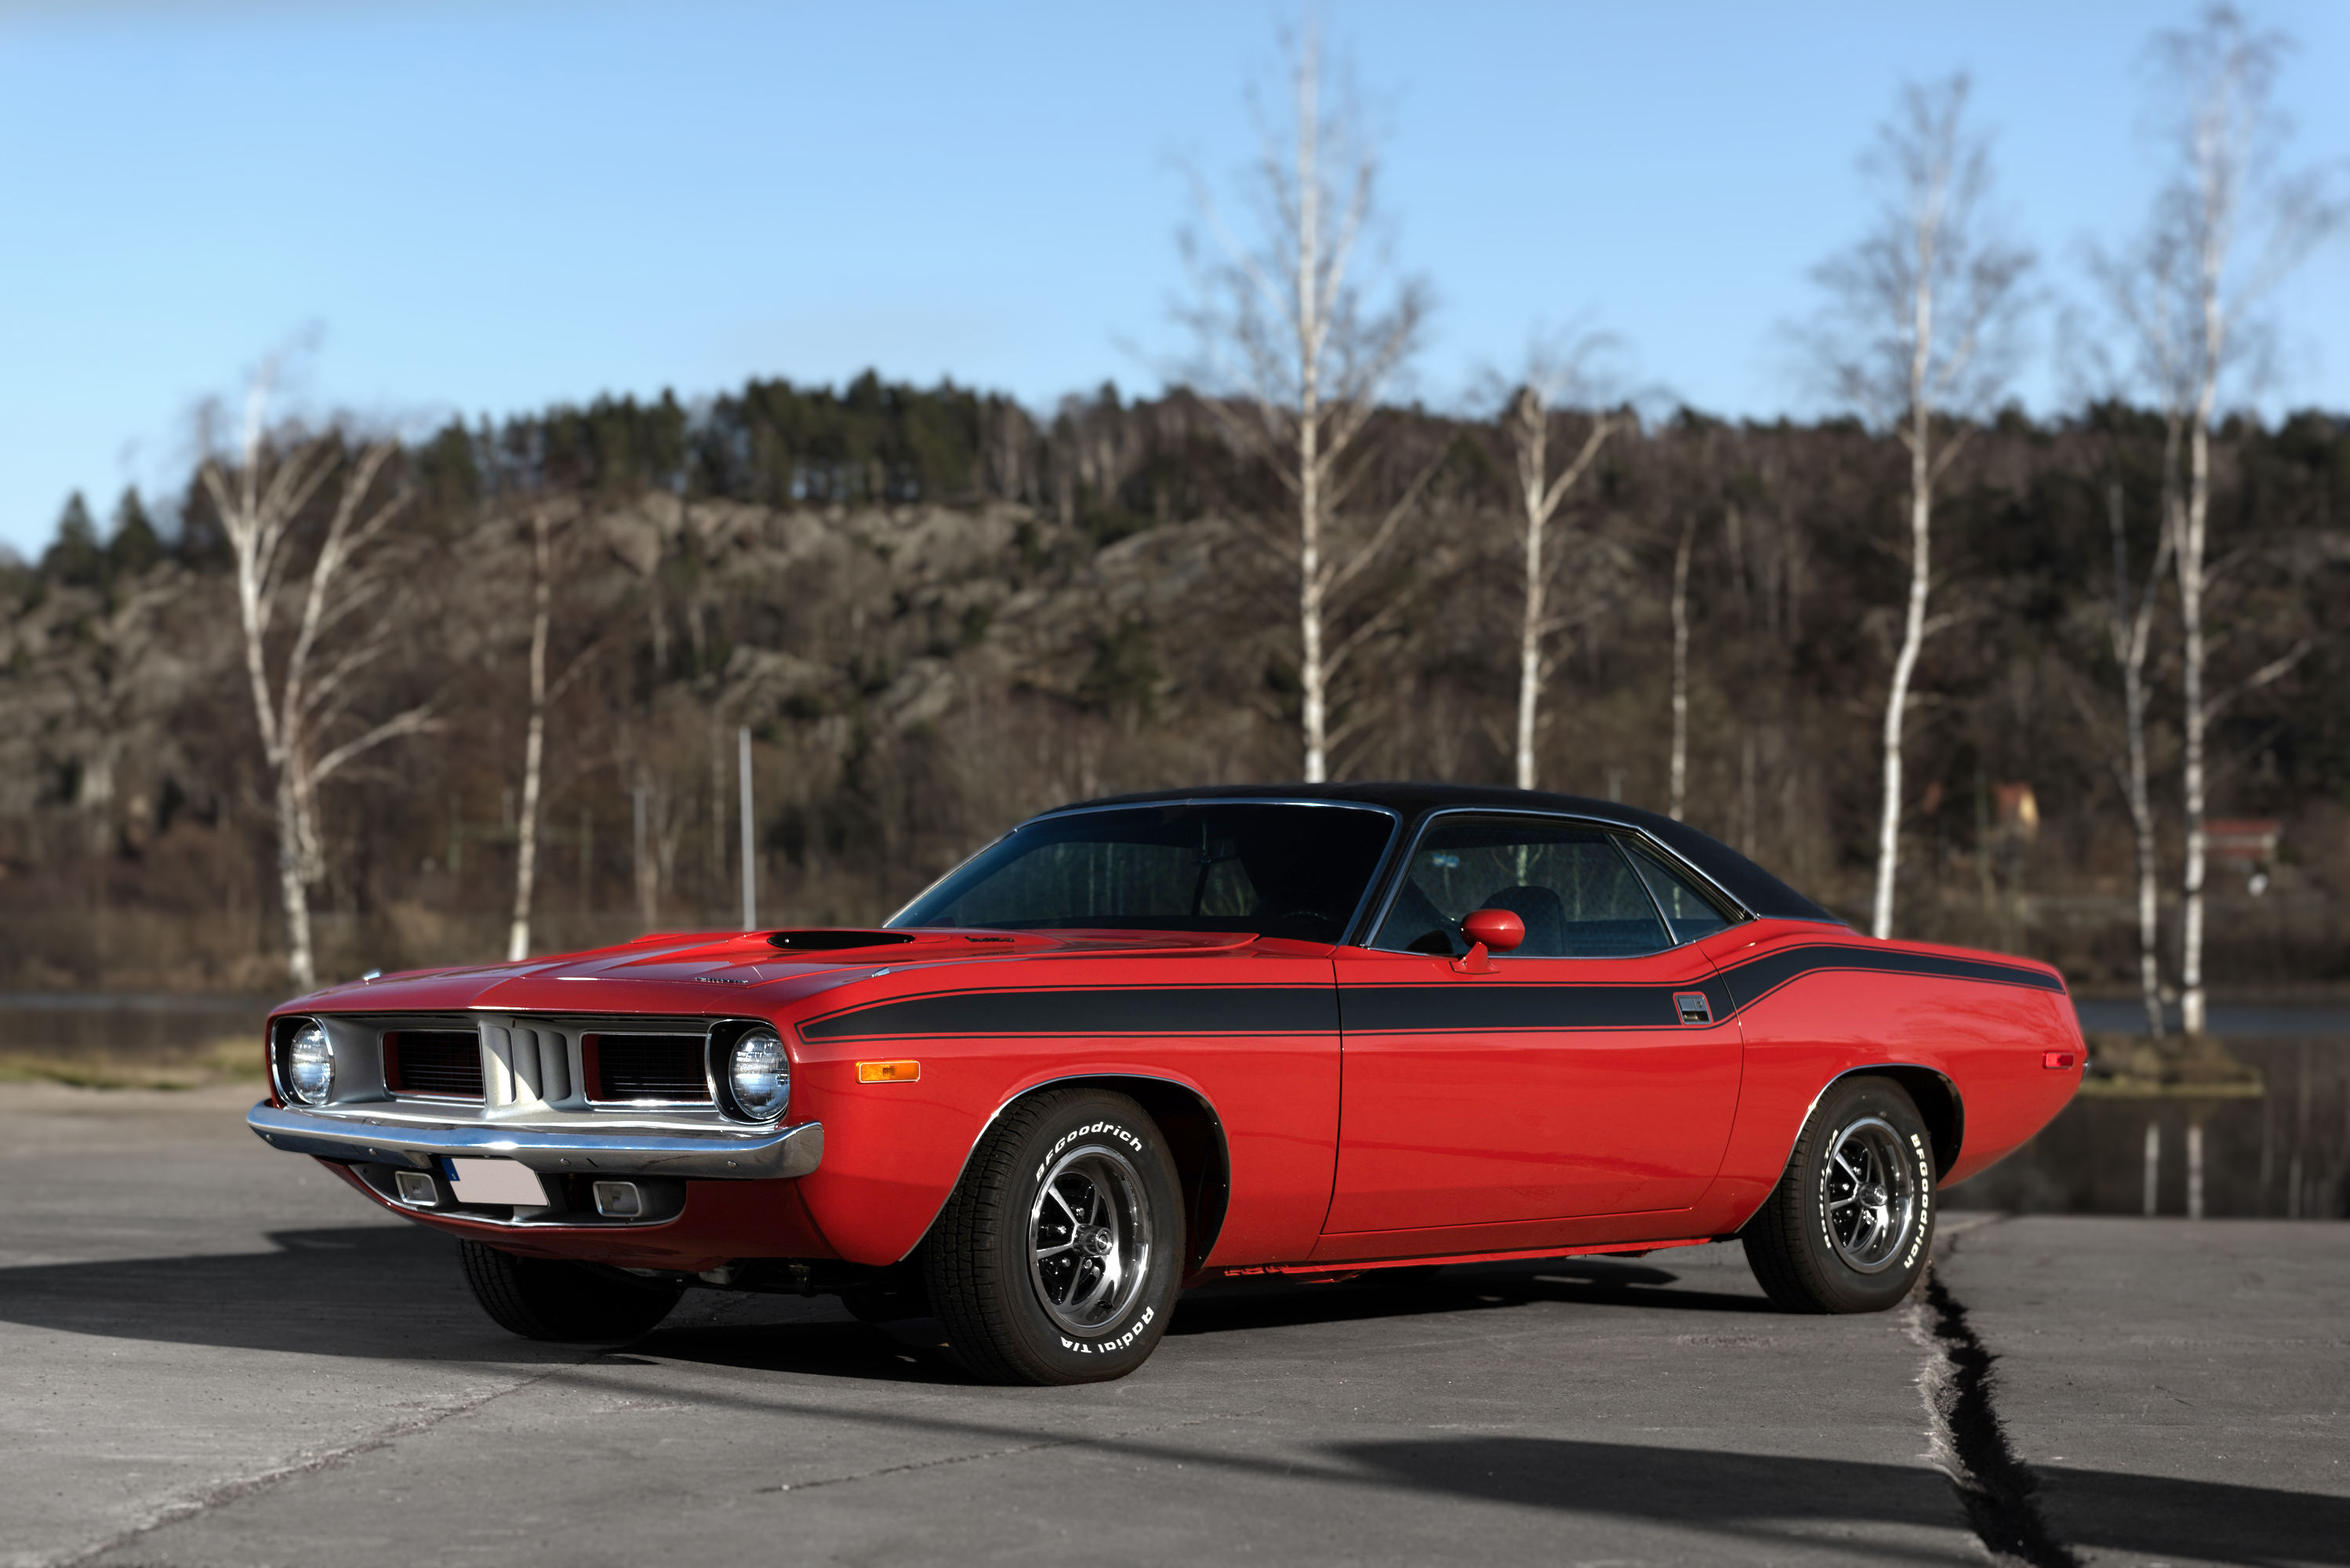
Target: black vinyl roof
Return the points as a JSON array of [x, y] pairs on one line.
[[1761, 893]]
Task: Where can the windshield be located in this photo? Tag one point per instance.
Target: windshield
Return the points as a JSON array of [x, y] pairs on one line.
[[1221, 865]]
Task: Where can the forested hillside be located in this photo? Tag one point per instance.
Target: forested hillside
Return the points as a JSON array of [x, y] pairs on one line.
[[937, 613]]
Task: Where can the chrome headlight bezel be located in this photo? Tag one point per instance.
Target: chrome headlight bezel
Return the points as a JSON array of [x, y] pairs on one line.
[[305, 1061], [752, 1073]]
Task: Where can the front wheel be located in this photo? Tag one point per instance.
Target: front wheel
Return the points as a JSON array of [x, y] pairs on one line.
[[541, 1298], [1849, 1225], [1057, 1257]]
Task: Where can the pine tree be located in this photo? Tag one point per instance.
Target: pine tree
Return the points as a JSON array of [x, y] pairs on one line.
[[76, 558], [131, 545]]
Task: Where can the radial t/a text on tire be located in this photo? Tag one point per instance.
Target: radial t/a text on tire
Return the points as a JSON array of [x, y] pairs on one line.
[[1057, 1258], [1850, 1225]]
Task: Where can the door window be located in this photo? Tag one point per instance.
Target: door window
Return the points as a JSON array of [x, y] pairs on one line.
[[1573, 886]]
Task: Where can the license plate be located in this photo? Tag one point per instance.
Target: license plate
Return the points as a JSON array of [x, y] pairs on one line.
[[495, 1181]]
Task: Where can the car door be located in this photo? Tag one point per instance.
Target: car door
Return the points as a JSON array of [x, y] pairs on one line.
[[1593, 1071]]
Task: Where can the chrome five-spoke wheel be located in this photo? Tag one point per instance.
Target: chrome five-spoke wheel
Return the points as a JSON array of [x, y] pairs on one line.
[[1868, 1195], [1058, 1256], [1090, 1237], [1851, 1224]]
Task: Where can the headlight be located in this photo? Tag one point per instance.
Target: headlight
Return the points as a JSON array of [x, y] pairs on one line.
[[760, 1075], [310, 1065]]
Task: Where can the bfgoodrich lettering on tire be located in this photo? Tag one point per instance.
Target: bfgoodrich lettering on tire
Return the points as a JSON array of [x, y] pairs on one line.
[[1057, 1257], [1849, 1225]]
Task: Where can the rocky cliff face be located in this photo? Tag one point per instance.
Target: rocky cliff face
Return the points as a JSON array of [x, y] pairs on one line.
[[918, 677]]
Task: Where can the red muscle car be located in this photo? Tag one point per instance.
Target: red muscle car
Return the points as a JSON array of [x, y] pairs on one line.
[[1157, 1040]]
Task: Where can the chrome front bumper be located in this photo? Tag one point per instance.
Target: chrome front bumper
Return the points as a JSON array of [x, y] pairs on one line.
[[556, 1151]]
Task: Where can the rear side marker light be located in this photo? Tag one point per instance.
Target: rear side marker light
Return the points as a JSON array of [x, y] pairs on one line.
[[618, 1200], [889, 1072], [2058, 1061], [416, 1189]]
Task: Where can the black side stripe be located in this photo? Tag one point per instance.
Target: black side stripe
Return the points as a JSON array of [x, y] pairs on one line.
[[1480, 1006], [1757, 977], [1156, 1009], [1448, 1006]]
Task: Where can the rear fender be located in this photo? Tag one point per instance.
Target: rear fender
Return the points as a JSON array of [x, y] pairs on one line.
[[1936, 1098]]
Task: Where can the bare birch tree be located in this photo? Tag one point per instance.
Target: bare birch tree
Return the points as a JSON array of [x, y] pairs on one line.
[[1920, 337], [542, 545], [1294, 362], [534, 749], [2132, 632], [303, 697], [1532, 411], [2226, 228], [1680, 767]]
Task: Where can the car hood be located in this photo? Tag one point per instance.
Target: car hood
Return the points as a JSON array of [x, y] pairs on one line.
[[706, 972]]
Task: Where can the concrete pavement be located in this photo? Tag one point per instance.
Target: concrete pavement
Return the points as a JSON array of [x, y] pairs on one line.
[[212, 1354]]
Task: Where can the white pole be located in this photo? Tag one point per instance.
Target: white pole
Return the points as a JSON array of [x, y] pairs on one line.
[[2153, 1163], [2195, 1170], [750, 882]]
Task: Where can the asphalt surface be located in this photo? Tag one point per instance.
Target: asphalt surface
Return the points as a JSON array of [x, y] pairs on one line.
[[212, 1354]]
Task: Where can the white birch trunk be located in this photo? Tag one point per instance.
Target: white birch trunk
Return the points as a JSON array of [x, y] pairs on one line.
[[534, 745], [2133, 634], [1314, 715], [1680, 668], [1913, 625], [2195, 717], [1539, 497], [1904, 663], [1533, 463]]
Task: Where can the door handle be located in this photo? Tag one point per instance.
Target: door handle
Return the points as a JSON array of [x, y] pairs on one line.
[[1693, 1007]]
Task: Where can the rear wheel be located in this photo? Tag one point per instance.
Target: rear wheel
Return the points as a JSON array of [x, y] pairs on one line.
[[1849, 1225], [1056, 1259], [540, 1298]]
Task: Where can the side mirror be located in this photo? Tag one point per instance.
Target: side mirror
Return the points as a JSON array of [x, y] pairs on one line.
[[1497, 929]]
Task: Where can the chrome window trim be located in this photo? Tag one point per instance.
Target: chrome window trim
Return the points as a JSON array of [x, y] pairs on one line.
[[1380, 868], [1664, 852]]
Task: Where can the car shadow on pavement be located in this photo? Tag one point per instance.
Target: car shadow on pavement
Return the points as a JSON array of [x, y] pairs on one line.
[[396, 1292], [364, 1290], [896, 1353], [1765, 1494], [1477, 1287]]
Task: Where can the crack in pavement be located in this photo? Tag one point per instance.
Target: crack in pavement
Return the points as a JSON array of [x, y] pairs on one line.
[[1087, 1440], [226, 1493], [1998, 1490]]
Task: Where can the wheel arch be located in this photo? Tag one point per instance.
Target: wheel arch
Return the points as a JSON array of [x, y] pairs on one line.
[[1936, 1098], [1195, 1141], [1938, 1104]]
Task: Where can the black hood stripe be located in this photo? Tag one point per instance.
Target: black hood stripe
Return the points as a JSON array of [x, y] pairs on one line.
[[1152, 1010]]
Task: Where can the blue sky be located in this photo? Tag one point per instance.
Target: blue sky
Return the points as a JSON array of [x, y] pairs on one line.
[[489, 207]]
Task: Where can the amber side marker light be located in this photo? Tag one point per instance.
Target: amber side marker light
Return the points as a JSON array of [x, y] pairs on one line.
[[888, 1072], [2057, 1060]]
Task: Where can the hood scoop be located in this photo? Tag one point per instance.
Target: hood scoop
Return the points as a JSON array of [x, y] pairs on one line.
[[830, 941]]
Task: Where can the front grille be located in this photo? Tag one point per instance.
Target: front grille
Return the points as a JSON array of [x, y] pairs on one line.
[[649, 1067], [433, 1061]]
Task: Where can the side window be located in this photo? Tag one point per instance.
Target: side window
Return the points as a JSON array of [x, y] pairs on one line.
[[1574, 887], [1690, 910]]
